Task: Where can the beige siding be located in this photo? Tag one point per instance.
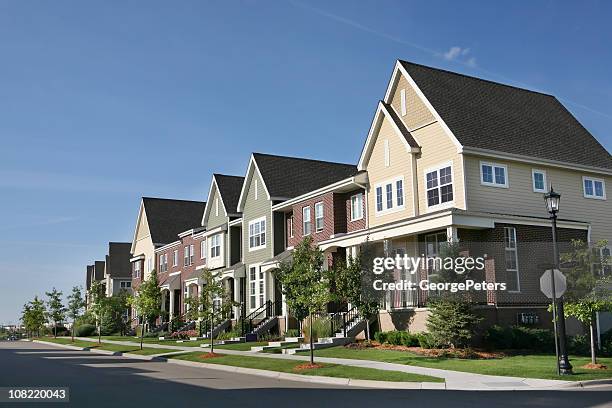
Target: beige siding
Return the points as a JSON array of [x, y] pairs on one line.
[[520, 199], [399, 165], [437, 148], [144, 245], [417, 114], [142, 227], [213, 220]]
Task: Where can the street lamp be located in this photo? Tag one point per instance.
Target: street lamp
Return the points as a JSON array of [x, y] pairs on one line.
[[552, 200]]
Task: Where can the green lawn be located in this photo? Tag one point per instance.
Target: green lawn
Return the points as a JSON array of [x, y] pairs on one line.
[[328, 370], [529, 366], [279, 350], [108, 346], [185, 343], [241, 346]]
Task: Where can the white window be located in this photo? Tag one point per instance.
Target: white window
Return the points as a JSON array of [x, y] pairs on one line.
[[203, 249], [357, 207], [306, 225], [291, 226], [403, 101], [512, 271], [594, 188], [186, 256], [539, 181], [191, 253], [387, 154], [319, 217], [439, 185], [256, 189], [257, 233], [262, 287], [149, 265], [175, 260], [216, 207], [215, 246], [163, 263], [125, 284], [379, 199], [606, 261], [390, 195], [137, 269], [434, 245], [494, 175], [254, 286]]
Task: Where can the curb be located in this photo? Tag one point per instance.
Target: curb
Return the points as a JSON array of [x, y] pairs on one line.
[[589, 383], [104, 352]]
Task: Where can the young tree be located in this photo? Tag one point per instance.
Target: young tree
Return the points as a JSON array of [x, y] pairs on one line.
[[588, 291], [97, 305], [452, 321], [26, 318], [57, 310], [354, 285], [34, 315], [147, 302], [304, 282], [76, 303]]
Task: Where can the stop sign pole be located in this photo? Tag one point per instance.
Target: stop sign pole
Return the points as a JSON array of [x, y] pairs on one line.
[[554, 312]]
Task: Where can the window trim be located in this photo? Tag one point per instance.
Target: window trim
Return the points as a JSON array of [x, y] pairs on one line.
[[403, 105], [203, 249], [175, 258], [533, 173], [304, 234], [322, 218], [437, 168], [493, 166], [261, 232], [593, 180], [516, 259], [383, 186], [212, 238], [360, 207]]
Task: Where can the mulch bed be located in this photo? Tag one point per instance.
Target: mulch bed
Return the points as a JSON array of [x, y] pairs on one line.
[[592, 366], [452, 353], [209, 355], [307, 366]]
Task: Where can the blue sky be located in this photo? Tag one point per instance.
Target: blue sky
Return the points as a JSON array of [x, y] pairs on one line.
[[102, 103]]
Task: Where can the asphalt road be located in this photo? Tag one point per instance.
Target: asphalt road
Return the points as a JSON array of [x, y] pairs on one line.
[[107, 381]]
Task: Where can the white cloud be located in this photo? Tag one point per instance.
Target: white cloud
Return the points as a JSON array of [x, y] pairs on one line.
[[461, 55], [452, 53]]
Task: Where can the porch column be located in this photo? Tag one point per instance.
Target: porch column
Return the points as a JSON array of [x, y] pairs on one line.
[[285, 312], [237, 298], [171, 316], [451, 234]]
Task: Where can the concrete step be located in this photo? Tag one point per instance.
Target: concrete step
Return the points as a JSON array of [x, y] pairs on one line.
[[321, 344], [277, 344]]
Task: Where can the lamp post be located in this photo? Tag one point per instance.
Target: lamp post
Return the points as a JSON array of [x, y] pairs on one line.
[[564, 367]]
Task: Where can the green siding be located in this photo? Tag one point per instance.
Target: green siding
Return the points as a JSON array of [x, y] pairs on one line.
[[254, 209], [213, 221]]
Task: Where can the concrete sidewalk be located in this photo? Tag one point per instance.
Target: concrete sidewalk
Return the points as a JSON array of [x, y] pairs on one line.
[[455, 380]]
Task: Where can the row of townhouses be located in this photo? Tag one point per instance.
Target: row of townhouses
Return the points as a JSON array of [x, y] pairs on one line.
[[448, 157]]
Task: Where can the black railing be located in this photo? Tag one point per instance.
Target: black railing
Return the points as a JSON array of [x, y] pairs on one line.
[[348, 318], [264, 312]]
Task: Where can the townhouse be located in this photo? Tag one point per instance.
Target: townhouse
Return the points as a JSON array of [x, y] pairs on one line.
[[118, 269], [94, 273], [157, 244], [447, 158]]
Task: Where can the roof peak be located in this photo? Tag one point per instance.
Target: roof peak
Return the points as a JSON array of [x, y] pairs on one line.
[[172, 199], [301, 158], [476, 78]]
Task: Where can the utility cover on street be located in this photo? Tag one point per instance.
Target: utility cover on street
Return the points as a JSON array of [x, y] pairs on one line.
[[546, 284]]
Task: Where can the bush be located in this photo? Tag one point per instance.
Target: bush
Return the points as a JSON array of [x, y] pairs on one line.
[[228, 335], [321, 327], [452, 322], [85, 330], [292, 333], [397, 338], [519, 338], [579, 344], [426, 340]]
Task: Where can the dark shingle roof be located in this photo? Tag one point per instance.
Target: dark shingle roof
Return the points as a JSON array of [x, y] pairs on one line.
[[229, 188], [398, 122], [88, 275], [488, 115], [167, 218], [99, 270], [289, 177], [118, 260]]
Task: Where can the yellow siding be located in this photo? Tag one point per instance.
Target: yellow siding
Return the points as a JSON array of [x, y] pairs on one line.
[[143, 227], [520, 199], [437, 148], [400, 165], [417, 114]]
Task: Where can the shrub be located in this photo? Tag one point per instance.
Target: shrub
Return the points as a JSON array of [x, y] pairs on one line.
[[579, 344], [426, 340], [184, 335], [381, 337], [519, 338], [85, 330], [397, 338], [452, 322], [229, 334], [292, 333], [321, 327]]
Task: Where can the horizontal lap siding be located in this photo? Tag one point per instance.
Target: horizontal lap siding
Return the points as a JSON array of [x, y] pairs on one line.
[[253, 209], [417, 114], [519, 198]]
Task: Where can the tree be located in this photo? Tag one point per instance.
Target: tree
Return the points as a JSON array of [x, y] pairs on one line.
[[212, 304], [451, 322], [76, 303], [34, 315], [353, 281], [304, 283], [147, 302], [588, 291], [114, 309], [97, 305], [57, 310]]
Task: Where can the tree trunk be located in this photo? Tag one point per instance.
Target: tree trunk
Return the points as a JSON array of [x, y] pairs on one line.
[[592, 332], [55, 330], [142, 330], [311, 341], [100, 331], [73, 330]]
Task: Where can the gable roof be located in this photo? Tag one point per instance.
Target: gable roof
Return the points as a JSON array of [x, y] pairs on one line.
[[118, 260], [98, 270], [229, 188], [167, 218], [288, 177], [88, 276], [488, 115]]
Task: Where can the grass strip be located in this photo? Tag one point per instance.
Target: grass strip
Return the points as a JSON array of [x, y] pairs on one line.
[[289, 366]]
